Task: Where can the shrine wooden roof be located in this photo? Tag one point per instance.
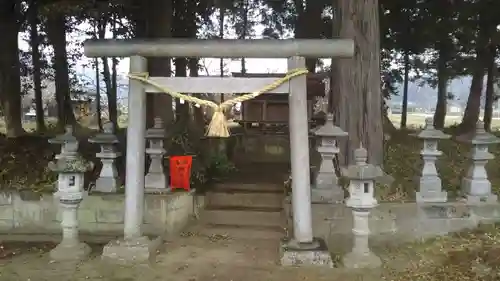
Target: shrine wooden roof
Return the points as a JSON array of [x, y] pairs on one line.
[[315, 84]]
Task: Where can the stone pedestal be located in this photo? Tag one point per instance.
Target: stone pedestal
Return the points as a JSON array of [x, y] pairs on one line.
[[70, 190], [361, 199], [108, 181], [131, 251], [430, 188], [476, 185], [326, 188], [310, 254], [70, 248], [361, 256], [156, 179]]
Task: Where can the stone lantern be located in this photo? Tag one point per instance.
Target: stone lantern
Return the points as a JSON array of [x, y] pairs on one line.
[[156, 178], [361, 199], [63, 140], [326, 186], [70, 191], [108, 180], [430, 190], [476, 185]]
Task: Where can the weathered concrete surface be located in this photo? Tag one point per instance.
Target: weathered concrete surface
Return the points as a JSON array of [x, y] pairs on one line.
[[397, 222], [98, 214], [245, 198], [243, 216]]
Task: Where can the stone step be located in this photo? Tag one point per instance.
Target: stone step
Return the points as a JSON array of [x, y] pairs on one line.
[[242, 216], [245, 198], [247, 232], [264, 187]]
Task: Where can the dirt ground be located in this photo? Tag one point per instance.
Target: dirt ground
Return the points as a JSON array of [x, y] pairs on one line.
[[472, 255], [189, 258]]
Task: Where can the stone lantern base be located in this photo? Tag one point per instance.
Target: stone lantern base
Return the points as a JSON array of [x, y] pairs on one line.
[[139, 250], [355, 260], [70, 252], [107, 185], [315, 254], [156, 183]]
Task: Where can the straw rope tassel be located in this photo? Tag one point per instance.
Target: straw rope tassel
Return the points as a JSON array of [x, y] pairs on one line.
[[218, 124]]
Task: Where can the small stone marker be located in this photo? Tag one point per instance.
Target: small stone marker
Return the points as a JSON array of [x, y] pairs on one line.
[[108, 181], [361, 199], [326, 186], [156, 178], [430, 189], [71, 168], [475, 185]]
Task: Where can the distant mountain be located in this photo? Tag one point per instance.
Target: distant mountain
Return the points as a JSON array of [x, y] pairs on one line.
[[426, 97]]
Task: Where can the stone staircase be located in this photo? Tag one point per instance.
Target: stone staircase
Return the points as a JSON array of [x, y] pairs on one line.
[[241, 210]]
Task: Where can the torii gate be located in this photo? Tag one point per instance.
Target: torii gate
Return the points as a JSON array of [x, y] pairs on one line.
[[136, 247]]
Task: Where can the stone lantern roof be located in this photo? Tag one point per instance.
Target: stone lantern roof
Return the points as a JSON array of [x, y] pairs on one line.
[[361, 170], [429, 132], [106, 137], [483, 137], [64, 138], [72, 162], [329, 129]]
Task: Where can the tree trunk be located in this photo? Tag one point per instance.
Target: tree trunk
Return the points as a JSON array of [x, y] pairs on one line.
[[442, 89], [159, 17], [222, 15], [112, 104], [37, 75], [56, 33], [198, 116], [488, 104], [98, 94], [471, 114], [404, 112], [483, 54], [10, 82], [114, 85], [110, 92], [108, 79], [140, 16], [243, 35], [184, 27], [308, 24], [181, 109], [358, 81]]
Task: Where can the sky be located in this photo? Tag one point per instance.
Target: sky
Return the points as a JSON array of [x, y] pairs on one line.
[[213, 66]]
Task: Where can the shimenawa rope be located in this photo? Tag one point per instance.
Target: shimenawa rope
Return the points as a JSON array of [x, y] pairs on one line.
[[218, 124]]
